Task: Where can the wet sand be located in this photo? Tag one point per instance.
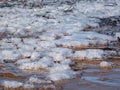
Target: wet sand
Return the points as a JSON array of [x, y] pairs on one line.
[[78, 84]]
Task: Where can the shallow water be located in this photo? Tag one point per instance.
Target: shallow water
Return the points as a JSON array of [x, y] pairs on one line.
[[90, 78], [107, 80]]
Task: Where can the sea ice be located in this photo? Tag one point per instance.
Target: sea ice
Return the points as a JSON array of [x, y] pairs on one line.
[[90, 54], [105, 64], [12, 84], [61, 75], [10, 54], [84, 39], [60, 71], [60, 54], [44, 63], [117, 35]]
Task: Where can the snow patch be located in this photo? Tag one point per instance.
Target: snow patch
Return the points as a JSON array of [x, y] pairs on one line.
[[10, 54], [84, 39], [61, 75], [60, 71], [12, 84], [92, 54], [105, 64], [60, 54], [44, 62], [117, 35]]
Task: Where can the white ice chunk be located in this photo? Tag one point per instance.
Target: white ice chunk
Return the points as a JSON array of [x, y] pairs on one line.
[[89, 35], [47, 36], [12, 40], [84, 39], [45, 44], [89, 54], [61, 75], [60, 54], [93, 54], [10, 54], [26, 47], [7, 45], [105, 64], [35, 55], [30, 40], [59, 68], [11, 30], [28, 86], [66, 62], [60, 71], [53, 87], [67, 43], [45, 62], [117, 35], [12, 84], [25, 54], [21, 61]]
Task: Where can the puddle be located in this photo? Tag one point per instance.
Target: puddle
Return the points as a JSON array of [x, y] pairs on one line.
[[104, 82], [95, 78]]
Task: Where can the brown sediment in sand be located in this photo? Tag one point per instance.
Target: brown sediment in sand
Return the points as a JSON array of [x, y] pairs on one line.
[[12, 76]]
